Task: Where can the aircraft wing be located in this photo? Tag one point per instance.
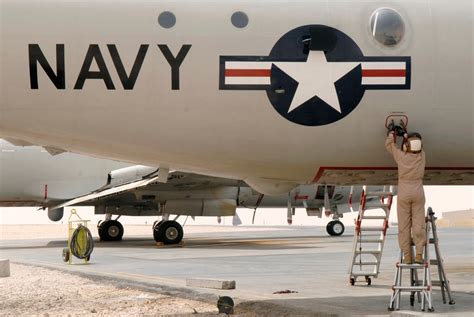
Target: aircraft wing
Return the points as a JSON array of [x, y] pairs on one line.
[[124, 194], [108, 192]]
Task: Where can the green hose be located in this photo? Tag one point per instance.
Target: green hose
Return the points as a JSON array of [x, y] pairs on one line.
[[82, 243]]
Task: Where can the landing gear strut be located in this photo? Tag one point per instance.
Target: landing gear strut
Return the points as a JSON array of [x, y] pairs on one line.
[[335, 228], [168, 232], [110, 230]]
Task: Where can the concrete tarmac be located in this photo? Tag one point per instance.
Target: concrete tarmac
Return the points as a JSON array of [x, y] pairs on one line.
[[304, 259]]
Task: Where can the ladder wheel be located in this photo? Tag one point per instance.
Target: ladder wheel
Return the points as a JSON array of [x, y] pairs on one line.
[[431, 309], [412, 299], [352, 281], [391, 308], [452, 302], [369, 281]]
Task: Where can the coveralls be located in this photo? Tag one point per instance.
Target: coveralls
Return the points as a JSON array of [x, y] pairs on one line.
[[411, 197]]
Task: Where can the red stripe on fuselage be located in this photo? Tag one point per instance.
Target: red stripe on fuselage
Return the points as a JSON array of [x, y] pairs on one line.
[[384, 73], [247, 72]]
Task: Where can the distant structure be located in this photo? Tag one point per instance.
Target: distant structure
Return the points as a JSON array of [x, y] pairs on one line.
[[458, 219]]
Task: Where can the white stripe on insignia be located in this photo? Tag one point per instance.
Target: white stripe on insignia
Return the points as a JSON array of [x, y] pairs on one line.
[[383, 65], [383, 81], [248, 65], [247, 80]]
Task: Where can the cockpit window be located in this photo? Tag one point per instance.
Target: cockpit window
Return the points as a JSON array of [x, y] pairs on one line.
[[387, 26]]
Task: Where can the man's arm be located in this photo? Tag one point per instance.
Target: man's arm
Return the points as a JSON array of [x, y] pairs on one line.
[[391, 147]]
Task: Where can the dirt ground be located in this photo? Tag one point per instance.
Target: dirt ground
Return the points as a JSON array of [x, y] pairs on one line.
[[35, 291]]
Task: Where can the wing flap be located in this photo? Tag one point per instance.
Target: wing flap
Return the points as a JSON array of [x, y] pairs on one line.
[[108, 192]]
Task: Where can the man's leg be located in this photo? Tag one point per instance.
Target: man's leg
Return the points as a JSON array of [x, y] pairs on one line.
[[404, 227], [418, 222]]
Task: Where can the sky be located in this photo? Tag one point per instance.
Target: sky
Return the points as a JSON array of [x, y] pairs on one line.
[[440, 198]]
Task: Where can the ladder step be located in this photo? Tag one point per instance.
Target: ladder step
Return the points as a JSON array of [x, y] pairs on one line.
[[436, 283], [434, 262], [371, 273], [410, 288], [374, 217], [371, 228], [365, 240], [378, 205], [432, 241], [368, 251], [364, 263], [381, 193]]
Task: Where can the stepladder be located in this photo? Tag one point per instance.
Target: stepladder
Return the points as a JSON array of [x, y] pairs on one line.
[[371, 227], [421, 287]]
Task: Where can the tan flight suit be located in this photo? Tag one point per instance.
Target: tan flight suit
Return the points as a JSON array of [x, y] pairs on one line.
[[411, 197]]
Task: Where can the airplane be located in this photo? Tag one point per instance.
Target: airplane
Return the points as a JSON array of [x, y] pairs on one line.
[[273, 94], [32, 177]]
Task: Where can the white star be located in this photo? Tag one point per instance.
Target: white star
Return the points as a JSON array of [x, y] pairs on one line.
[[316, 77]]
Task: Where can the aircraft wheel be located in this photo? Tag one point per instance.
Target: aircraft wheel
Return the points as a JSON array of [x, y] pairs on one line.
[[110, 230], [335, 228], [168, 232]]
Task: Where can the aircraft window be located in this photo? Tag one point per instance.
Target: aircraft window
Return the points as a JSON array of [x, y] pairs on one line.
[[167, 19], [239, 19], [387, 26]]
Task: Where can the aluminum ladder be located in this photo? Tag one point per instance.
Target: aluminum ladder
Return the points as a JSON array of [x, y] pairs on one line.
[[423, 288], [370, 230]]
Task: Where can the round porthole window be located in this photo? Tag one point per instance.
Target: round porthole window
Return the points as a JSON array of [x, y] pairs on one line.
[[239, 19], [387, 26], [167, 19]]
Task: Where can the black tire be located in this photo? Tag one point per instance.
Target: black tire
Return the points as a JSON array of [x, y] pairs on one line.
[[329, 228], [66, 255], [335, 228], [225, 304], [168, 232], [369, 281], [412, 299], [352, 281], [157, 223], [99, 230], [111, 230]]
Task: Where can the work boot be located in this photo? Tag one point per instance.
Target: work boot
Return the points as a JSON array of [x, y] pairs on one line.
[[407, 259], [419, 259]]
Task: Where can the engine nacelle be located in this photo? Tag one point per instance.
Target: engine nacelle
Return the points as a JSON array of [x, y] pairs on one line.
[[56, 214], [129, 174]]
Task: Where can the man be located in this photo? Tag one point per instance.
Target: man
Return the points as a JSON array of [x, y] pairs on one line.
[[411, 197]]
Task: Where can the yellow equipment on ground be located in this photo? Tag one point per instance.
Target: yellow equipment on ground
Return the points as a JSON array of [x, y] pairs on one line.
[[80, 243]]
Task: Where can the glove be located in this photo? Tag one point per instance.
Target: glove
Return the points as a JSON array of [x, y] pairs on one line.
[[400, 131]]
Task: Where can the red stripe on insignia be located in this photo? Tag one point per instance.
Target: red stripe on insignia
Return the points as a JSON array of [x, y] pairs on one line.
[[247, 72], [384, 73]]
